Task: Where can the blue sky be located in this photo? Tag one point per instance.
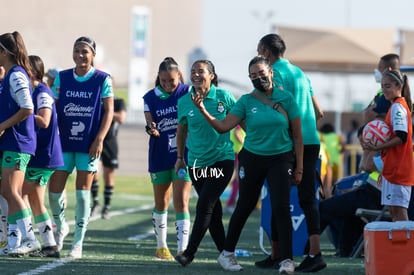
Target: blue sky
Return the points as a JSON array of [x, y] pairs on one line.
[[231, 28]]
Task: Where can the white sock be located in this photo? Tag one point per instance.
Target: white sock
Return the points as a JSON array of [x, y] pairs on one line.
[[46, 232], [82, 213], [26, 227], [227, 253], [14, 238], [183, 233], [4, 209], [159, 222], [57, 205]]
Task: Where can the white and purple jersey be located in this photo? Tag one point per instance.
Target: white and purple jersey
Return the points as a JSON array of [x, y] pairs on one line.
[[79, 109], [15, 94], [163, 108], [49, 150]]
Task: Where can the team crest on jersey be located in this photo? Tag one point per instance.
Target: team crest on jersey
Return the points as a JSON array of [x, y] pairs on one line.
[[220, 107], [241, 172]]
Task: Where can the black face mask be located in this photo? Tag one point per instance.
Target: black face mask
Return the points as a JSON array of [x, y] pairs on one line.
[[262, 83]]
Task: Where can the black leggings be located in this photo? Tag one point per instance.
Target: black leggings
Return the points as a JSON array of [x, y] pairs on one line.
[[209, 182], [307, 189], [306, 194], [253, 170]]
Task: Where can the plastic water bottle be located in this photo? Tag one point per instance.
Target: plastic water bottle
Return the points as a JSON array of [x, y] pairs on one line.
[[242, 253], [182, 172]]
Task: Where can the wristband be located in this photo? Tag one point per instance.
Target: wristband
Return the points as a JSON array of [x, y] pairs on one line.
[[148, 129]]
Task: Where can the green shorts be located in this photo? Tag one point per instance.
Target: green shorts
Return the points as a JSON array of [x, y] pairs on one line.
[[38, 175], [82, 162], [167, 176], [14, 159]]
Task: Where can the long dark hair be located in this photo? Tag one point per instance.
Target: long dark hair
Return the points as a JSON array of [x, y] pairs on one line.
[[401, 80], [38, 67], [14, 46]]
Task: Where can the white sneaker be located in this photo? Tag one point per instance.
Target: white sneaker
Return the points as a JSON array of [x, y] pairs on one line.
[[25, 247], [60, 235], [75, 252], [229, 262], [287, 267], [4, 251]]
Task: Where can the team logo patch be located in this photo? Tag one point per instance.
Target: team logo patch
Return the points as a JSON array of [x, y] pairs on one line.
[[220, 107], [241, 172], [77, 127], [153, 176]]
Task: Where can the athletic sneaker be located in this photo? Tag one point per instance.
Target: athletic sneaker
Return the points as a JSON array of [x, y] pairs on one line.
[[25, 247], [287, 267], [75, 252], [311, 264], [94, 208], [47, 251], [268, 263], [229, 262], [60, 235], [164, 254], [4, 251], [183, 259], [105, 213]]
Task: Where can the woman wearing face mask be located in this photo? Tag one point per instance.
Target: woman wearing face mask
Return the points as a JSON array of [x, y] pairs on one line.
[[378, 107], [268, 153]]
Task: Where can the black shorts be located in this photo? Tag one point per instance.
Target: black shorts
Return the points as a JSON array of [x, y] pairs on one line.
[[109, 155]]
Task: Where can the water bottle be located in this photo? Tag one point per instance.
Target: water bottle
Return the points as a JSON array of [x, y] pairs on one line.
[[182, 172], [242, 253]]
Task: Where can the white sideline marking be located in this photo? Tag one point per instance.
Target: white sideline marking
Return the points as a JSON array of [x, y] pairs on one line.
[[47, 267], [63, 261], [140, 237]]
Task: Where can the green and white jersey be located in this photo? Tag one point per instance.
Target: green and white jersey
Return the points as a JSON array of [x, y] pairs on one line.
[[205, 145], [267, 130]]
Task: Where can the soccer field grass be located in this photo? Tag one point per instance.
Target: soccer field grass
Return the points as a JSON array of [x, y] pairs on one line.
[[125, 243]]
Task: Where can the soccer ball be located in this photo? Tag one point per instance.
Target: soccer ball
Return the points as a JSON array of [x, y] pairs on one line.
[[376, 132]]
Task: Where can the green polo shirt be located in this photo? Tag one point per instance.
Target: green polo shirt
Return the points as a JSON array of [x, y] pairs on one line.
[[266, 129], [293, 79], [205, 145]]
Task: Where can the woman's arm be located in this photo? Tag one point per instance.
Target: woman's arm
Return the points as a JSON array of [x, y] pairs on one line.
[[19, 116], [298, 147], [182, 131], [151, 126], [317, 107], [108, 108], [44, 112], [221, 126], [42, 119]]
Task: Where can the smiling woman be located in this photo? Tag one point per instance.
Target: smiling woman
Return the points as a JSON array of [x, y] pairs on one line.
[[84, 104], [267, 153], [210, 163]]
